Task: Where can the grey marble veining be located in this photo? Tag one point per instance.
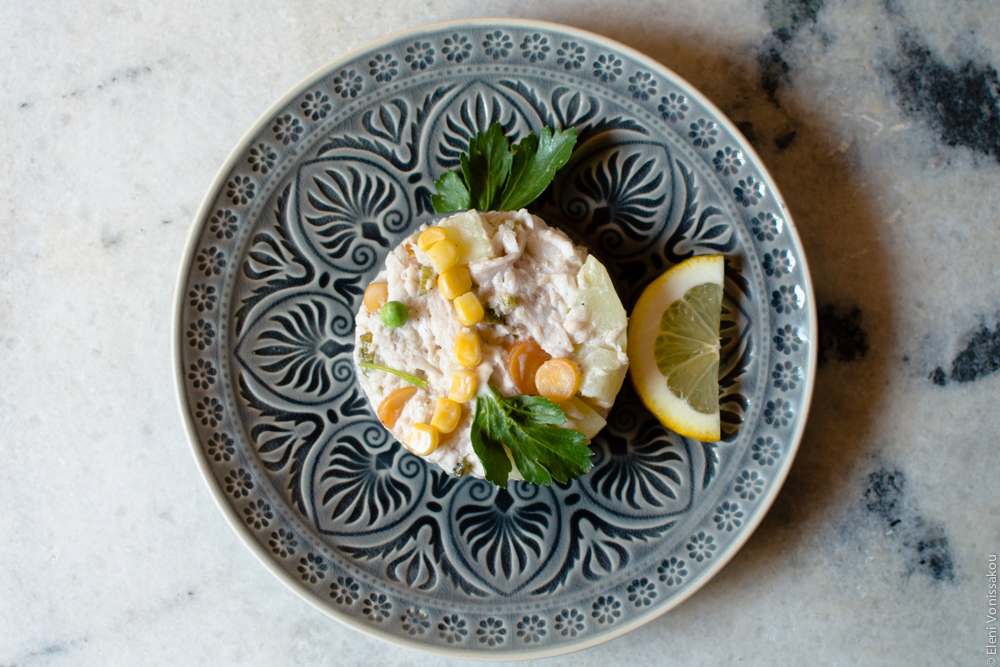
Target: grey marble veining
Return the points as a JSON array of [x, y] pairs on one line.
[[880, 121]]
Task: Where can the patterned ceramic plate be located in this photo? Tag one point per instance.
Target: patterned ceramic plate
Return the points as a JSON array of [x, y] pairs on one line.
[[300, 219]]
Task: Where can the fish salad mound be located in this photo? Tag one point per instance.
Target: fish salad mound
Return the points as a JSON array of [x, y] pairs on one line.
[[481, 301]]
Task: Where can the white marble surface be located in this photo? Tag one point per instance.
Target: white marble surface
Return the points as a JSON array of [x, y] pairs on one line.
[[113, 121]]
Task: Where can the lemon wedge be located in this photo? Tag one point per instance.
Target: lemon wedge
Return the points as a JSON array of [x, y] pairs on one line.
[[673, 345]]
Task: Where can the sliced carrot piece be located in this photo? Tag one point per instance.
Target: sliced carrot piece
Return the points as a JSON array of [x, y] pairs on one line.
[[557, 379], [523, 360], [392, 405], [375, 296]]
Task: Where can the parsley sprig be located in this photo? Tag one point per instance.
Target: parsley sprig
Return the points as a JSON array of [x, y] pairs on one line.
[[496, 176], [526, 425]]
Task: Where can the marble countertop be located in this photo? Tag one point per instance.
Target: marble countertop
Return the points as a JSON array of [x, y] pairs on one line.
[[880, 121]]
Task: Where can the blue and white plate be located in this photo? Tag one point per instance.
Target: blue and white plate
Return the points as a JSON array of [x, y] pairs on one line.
[[299, 220]]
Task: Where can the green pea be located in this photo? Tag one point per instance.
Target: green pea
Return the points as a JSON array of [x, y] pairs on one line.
[[394, 314]]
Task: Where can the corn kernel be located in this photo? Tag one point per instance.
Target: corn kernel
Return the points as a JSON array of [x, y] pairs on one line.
[[469, 309], [446, 415], [430, 236], [423, 439], [467, 350], [463, 385], [443, 254], [455, 281]]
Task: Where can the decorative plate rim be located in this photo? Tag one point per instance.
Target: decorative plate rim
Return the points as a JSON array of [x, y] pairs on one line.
[[201, 218]]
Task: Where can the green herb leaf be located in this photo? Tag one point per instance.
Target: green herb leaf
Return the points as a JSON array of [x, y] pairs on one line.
[[491, 316], [508, 302], [526, 426], [412, 379], [486, 166], [452, 194], [487, 442], [496, 177], [536, 161]]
